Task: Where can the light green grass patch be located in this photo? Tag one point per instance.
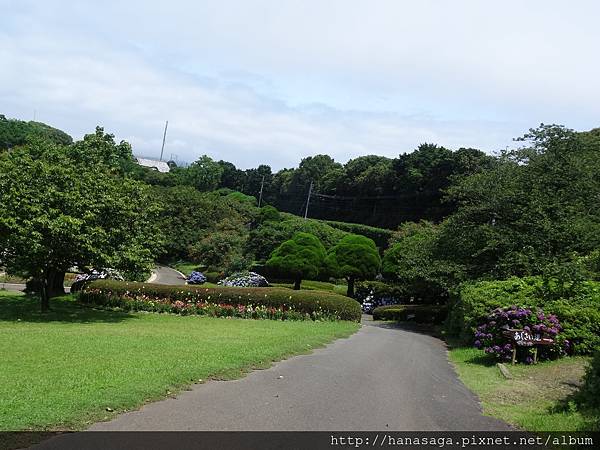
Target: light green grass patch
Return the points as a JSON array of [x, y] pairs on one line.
[[538, 396], [63, 369]]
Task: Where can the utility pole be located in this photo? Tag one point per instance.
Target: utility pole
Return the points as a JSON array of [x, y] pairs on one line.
[[308, 200], [164, 138], [262, 183]]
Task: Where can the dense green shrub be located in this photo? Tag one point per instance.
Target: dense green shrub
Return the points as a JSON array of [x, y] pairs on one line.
[[579, 316], [590, 392], [145, 296], [380, 236], [418, 313], [270, 234], [214, 277]]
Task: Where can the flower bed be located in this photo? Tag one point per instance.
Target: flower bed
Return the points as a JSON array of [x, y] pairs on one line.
[[244, 279], [490, 337], [266, 303]]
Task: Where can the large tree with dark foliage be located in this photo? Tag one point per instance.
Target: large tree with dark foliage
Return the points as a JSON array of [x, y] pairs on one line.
[[58, 211]]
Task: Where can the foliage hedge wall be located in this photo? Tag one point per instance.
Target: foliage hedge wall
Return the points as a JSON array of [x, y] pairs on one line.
[[142, 296], [381, 236], [416, 313], [579, 316]]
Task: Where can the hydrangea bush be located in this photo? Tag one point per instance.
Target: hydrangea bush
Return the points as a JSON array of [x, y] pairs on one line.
[[490, 337], [196, 278], [102, 274], [244, 279]]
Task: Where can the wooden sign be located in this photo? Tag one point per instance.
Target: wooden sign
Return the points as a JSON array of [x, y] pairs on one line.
[[524, 338]]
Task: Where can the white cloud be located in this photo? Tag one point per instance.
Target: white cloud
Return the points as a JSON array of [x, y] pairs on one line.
[[266, 81]]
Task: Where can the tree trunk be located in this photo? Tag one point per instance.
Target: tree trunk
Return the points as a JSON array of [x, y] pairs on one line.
[[51, 285], [56, 283], [44, 298], [297, 284], [350, 292]]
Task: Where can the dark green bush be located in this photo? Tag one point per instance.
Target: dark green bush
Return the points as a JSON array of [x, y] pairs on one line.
[[307, 302], [381, 236], [579, 316], [590, 392], [214, 277], [380, 292], [435, 314]]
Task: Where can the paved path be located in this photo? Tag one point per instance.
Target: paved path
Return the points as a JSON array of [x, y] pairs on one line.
[[381, 378], [17, 287], [166, 275]]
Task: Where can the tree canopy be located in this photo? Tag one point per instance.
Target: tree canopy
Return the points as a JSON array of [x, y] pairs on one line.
[[355, 257], [301, 257], [57, 212], [16, 132]]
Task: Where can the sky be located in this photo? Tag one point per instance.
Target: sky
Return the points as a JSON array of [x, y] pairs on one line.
[[257, 81]]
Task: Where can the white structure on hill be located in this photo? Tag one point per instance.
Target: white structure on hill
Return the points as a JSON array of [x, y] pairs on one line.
[[155, 164]]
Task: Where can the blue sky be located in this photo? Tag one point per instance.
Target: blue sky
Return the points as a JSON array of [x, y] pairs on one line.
[[274, 81]]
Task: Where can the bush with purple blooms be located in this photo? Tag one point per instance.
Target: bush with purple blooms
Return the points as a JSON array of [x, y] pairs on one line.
[[489, 335], [244, 279], [196, 278]]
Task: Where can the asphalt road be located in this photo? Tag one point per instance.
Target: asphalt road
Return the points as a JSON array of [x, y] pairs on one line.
[[381, 378], [16, 287], [166, 275]]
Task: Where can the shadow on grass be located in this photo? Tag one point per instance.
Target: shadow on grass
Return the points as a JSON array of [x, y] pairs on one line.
[[24, 308], [420, 328]]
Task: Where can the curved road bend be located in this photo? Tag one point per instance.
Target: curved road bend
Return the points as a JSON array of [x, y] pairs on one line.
[[381, 378], [166, 275]]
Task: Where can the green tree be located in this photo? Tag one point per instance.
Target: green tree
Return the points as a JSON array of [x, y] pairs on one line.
[[57, 213], [415, 262], [535, 208], [221, 247], [301, 257], [16, 132], [187, 216], [203, 174], [355, 257]]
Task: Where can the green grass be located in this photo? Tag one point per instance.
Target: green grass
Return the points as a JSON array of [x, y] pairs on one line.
[[185, 267], [312, 285], [538, 398], [63, 369]]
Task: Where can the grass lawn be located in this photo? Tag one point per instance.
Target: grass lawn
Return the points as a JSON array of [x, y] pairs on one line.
[[312, 285], [64, 369], [185, 267], [536, 399]]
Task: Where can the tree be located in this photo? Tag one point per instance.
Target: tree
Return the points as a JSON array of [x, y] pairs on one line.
[[57, 213], [204, 174], [415, 262], [16, 132], [535, 208], [355, 257], [187, 216], [301, 257], [222, 246]]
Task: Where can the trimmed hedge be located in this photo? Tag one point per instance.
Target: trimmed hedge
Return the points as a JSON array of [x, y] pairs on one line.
[[579, 316], [418, 313], [313, 303], [381, 236]]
